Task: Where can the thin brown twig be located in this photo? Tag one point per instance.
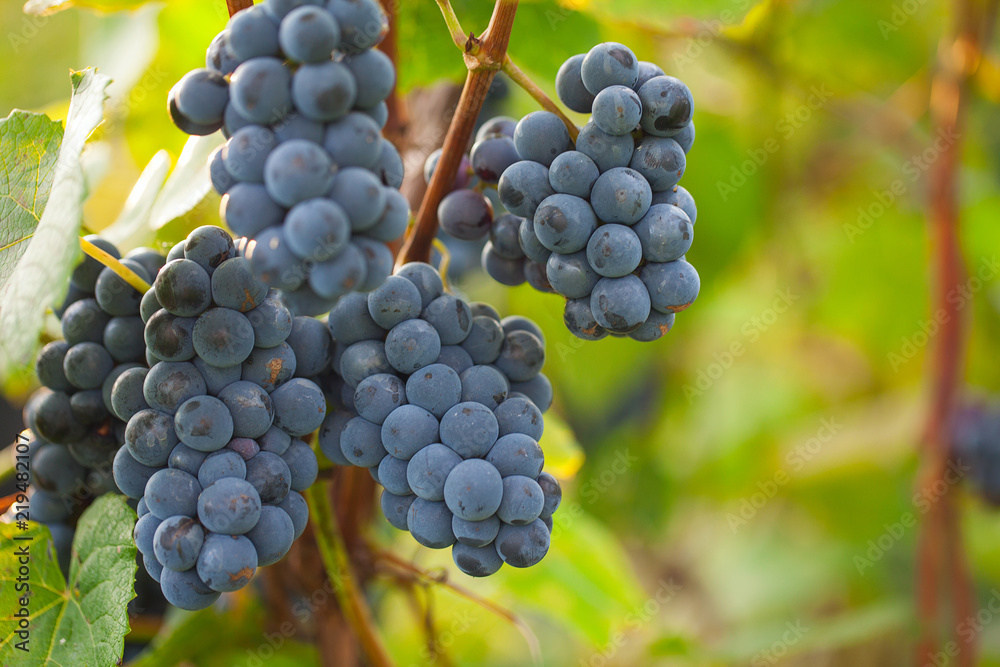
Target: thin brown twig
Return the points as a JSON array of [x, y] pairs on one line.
[[537, 94], [483, 57], [238, 5]]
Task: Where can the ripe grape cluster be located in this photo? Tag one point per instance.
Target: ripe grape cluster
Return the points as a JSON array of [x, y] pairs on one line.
[[976, 447], [444, 407], [604, 222], [299, 91], [212, 444]]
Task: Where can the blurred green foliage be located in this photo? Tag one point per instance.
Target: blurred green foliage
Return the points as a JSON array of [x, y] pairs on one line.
[[746, 478]]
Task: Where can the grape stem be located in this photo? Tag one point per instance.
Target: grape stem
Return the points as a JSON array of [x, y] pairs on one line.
[[524, 81], [442, 580], [483, 58], [454, 25], [125, 273], [338, 570], [941, 560], [445, 261], [238, 5]]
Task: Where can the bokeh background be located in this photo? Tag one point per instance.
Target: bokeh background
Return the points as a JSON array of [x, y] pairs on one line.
[[741, 492]]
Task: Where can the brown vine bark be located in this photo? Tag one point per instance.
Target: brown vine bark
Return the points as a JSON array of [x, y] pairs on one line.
[[238, 5], [484, 57]]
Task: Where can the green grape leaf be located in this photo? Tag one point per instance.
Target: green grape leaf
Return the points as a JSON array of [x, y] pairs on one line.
[[29, 145], [44, 7], [80, 622], [42, 272]]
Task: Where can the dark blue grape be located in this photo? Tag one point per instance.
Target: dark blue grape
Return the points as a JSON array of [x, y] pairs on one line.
[[571, 275], [251, 33], [378, 262], [204, 423], [223, 337], [617, 110], [532, 247], [248, 209], [217, 378], [116, 296], [230, 506], [361, 443], [271, 322], [361, 195], [462, 174], [84, 322], [667, 106], [202, 95], [505, 236], [338, 276], [672, 286], [621, 195], [375, 76], [172, 492], [573, 173], [552, 492], [505, 271], [130, 475], [476, 533], [227, 562], [232, 121], [85, 274], [123, 339], [170, 338], [222, 180], [51, 417], [428, 469], [308, 34], [178, 542], [260, 90], [606, 150], [183, 288], [324, 91], [538, 389], [412, 345], [107, 387], [354, 141], [329, 435], [185, 589], [498, 126], [390, 165], [523, 546], [273, 535], [523, 186], [295, 126], [430, 523], [407, 430], [392, 475], [394, 220], [465, 215], [270, 475], [455, 357], [396, 508], [310, 340], [275, 441], [362, 360], [614, 251], [513, 323], [522, 356], [363, 24], [150, 437], [491, 156], [273, 262], [476, 561], [484, 340], [656, 326], [451, 318], [54, 470], [377, 396], [685, 138], [519, 416], [279, 9], [570, 88], [295, 505], [580, 320], [485, 385], [470, 429], [142, 534], [620, 305], [660, 161], [522, 500], [269, 367], [609, 64], [564, 223], [250, 407], [86, 365], [247, 151], [396, 300], [665, 233], [184, 458], [473, 490], [49, 365], [298, 170], [680, 197], [149, 305], [435, 388]]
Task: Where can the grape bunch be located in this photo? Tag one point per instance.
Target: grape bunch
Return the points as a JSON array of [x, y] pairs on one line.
[[306, 175], [603, 221], [471, 211], [976, 447], [444, 407], [213, 449]]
